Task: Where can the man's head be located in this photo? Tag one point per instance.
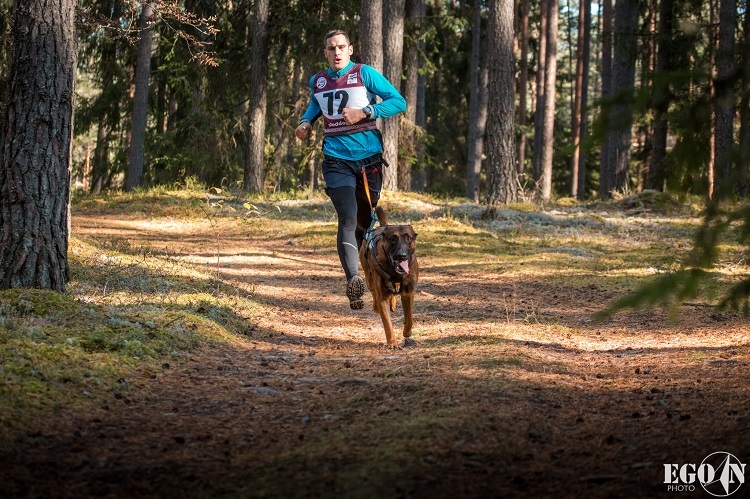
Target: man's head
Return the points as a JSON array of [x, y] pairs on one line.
[[337, 49]]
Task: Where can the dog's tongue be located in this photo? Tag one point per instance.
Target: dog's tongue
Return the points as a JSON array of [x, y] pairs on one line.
[[404, 266]]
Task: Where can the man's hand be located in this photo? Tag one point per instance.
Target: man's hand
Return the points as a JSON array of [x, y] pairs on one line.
[[302, 130], [352, 115]]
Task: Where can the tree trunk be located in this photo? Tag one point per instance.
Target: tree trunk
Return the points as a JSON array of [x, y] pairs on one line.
[[393, 50], [285, 114], [550, 81], [575, 121], [419, 177], [523, 82], [502, 177], [647, 66], [581, 191], [606, 163], [410, 91], [625, 43], [724, 103], [371, 34], [743, 163], [35, 143], [477, 107], [661, 97], [536, 167], [713, 49], [100, 166], [254, 161], [134, 175]]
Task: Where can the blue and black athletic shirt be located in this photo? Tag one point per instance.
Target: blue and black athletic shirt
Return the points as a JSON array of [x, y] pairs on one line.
[[355, 86]]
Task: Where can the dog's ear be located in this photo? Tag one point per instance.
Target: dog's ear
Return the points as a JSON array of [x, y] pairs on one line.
[[380, 213]]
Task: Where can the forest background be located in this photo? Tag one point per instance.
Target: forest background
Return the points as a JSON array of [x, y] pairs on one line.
[[646, 94]]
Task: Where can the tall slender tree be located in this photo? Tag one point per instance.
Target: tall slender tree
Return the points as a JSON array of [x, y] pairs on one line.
[[616, 173], [477, 106], [35, 146], [661, 96], [550, 82], [419, 177], [255, 160], [606, 160], [502, 176], [141, 81], [371, 34], [540, 79], [724, 103], [575, 121], [581, 190], [743, 162], [412, 62], [393, 50], [523, 82], [713, 41]]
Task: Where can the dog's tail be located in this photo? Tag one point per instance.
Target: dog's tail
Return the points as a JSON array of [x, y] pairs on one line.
[[380, 213]]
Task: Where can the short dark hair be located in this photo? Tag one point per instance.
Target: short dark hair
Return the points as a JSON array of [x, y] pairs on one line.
[[335, 32]]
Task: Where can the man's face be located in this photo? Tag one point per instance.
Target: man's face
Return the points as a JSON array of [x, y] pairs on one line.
[[338, 52]]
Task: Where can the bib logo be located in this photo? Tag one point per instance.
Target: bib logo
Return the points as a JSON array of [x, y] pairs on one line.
[[321, 83], [351, 79], [721, 474]]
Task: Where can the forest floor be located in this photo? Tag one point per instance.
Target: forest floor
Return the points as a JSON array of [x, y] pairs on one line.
[[514, 390]]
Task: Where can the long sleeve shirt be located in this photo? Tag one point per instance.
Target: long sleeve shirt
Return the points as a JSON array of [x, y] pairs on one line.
[[366, 143]]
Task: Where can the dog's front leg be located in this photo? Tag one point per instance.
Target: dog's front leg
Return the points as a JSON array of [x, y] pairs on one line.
[[407, 303], [385, 316]]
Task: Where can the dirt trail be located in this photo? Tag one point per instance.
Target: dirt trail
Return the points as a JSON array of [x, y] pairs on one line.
[[512, 392]]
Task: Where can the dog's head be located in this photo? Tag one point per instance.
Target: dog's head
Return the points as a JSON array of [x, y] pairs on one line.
[[399, 243]]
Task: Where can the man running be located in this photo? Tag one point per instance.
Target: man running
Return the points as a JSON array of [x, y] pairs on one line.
[[344, 95]]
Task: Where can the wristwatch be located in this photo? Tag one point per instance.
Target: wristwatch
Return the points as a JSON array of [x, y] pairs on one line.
[[368, 111]]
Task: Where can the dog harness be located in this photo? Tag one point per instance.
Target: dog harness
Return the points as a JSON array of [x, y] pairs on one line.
[[373, 237]]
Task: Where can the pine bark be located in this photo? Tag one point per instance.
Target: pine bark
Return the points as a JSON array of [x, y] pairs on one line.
[[410, 92], [523, 81], [136, 159], [606, 162], [536, 160], [419, 175], [371, 34], [725, 182], [477, 107], [661, 97], [255, 159], [550, 82], [575, 121], [502, 177], [743, 164], [623, 83], [393, 50], [581, 191], [35, 143]]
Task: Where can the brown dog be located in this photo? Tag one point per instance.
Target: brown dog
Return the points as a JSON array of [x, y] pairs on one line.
[[390, 265]]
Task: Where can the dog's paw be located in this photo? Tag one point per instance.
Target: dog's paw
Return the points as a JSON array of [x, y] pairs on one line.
[[408, 342], [392, 346]]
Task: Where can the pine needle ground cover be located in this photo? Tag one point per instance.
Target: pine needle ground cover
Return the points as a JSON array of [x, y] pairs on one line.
[[205, 348]]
